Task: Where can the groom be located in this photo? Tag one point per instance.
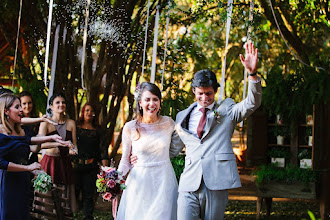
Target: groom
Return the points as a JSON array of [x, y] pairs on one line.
[[205, 130]]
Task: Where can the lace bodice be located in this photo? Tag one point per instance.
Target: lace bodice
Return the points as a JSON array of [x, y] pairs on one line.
[[149, 142]]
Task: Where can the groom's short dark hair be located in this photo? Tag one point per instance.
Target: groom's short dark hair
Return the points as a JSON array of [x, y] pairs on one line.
[[205, 78]]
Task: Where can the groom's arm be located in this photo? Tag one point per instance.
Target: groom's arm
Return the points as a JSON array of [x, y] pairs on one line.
[[176, 144], [246, 107]]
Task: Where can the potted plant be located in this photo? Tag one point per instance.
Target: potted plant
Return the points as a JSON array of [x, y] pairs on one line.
[[305, 158], [279, 155], [281, 132], [289, 182]]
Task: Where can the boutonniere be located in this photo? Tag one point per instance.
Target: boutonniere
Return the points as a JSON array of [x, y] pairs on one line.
[[216, 114]]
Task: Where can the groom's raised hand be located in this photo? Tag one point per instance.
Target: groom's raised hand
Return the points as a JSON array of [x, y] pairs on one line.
[[250, 62]]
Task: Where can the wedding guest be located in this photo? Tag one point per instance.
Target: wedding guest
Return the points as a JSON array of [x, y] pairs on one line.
[[151, 191], [92, 153], [56, 162], [29, 111], [14, 151]]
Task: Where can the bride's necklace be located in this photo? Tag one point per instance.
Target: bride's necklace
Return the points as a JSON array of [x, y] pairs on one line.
[[152, 121]]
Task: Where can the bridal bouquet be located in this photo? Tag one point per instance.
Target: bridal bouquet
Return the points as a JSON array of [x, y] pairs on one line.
[[110, 183], [43, 182]]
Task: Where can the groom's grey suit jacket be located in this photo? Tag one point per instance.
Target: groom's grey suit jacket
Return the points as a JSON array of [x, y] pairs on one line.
[[212, 157]]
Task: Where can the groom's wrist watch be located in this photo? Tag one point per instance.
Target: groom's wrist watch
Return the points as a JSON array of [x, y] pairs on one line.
[[253, 74]]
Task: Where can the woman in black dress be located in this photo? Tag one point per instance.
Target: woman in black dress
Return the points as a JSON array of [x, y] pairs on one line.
[[92, 151]]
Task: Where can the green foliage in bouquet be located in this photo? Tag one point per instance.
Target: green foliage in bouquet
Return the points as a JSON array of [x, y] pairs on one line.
[[43, 183]]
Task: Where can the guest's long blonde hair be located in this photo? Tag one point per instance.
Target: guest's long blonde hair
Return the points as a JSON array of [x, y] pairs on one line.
[[6, 101]]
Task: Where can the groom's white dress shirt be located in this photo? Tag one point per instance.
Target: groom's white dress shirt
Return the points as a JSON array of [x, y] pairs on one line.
[[195, 117]]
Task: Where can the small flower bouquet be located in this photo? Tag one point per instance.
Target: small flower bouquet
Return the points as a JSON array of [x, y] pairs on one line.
[[43, 183], [110, 183]]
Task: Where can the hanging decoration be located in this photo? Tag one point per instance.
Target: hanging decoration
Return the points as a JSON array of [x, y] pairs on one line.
[[145, 42], [84, 45], [165, 46], [248, 38], [222, 83], [53, 68], [17, 38], [49, 24], [154, 49]]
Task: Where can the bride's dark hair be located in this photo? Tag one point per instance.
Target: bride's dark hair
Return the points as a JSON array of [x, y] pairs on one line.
[[145, 86]]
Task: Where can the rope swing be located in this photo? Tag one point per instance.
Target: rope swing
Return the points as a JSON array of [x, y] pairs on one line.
[[17, 35], [154, 49], [84, 45], [165, 46], [248, 38], [222, 83], [49, 24], [145, 42]]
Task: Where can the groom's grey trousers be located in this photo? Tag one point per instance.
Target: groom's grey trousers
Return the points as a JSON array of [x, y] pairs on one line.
[[203, 203]]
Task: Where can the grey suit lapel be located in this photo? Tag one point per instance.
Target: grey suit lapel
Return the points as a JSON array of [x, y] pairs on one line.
[[184, 123]]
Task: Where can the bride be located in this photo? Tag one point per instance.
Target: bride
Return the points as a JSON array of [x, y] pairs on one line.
[[152, 187]]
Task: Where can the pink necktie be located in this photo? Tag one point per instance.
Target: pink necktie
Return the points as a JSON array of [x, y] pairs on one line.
[[202, 122]]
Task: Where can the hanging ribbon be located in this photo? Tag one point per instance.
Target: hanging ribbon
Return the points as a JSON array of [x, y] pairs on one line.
[[114, 207], [84, 45], [222, 83], [64, 34], [49, 24], [154, 49], [165, 46], [145, 42], [17, 35], [248, 39], [53, 68]]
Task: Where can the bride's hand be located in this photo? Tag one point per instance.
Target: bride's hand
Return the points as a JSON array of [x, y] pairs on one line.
[[133, 160]]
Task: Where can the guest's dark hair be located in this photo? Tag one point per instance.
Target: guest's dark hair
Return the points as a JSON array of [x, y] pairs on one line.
[[33, 113], [205, 78], [55, 95], [51, 100], [95, 116], [4, 90]]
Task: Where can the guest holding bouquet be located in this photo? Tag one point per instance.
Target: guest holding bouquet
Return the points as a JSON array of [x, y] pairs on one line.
[[152, 187], [92, 152], [14, 151]]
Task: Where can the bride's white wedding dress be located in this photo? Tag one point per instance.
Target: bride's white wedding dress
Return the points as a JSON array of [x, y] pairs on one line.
[[152, 187]]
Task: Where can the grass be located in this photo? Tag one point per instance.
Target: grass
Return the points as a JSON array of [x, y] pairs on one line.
[[295, 209]]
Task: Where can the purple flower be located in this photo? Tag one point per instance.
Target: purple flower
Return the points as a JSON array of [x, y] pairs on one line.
[[111, 183]]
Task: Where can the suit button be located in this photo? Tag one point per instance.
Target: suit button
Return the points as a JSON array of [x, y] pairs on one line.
[[201, 142], [202, 157]]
